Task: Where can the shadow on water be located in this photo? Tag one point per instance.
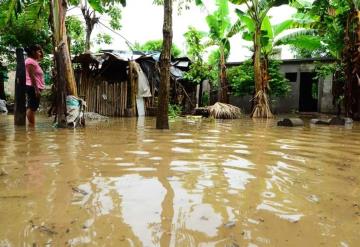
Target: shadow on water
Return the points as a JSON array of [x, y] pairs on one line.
[[202, 183]]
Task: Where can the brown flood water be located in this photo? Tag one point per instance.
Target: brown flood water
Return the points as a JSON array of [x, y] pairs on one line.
[[210, 183]]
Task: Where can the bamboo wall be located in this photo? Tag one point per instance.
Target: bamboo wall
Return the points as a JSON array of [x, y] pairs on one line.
[[108, 99]]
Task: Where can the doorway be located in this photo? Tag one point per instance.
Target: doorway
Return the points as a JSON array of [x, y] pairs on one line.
[[308, 98]]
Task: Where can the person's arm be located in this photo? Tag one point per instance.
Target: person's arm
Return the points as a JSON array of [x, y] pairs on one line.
[[31, 69]]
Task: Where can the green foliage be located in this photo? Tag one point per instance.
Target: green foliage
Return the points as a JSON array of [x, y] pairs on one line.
[[199, 70], [195, 46], [279, 85], [241, 79], [30, 27], [92, 8], [76, 34], [214, 63], [174, 111], [3, 72], [328, 18], [115, 18], [103, 39], [323, 70], [219, 21], [156, 45]]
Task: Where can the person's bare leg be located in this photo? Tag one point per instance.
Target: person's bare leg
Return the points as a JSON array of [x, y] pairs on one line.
[[30, 116]]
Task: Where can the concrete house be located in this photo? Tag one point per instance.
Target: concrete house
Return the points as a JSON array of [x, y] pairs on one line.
[[307, 93]]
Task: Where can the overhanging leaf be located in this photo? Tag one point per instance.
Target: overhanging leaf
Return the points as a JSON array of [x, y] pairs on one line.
[[96, 5]]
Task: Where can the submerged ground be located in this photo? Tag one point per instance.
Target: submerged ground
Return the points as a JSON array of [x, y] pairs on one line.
[[209, 183]]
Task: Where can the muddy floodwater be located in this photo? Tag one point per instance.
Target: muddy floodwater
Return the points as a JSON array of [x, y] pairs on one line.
[[209, 183]]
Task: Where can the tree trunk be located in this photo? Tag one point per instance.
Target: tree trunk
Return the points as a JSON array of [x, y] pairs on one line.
[[90, 22], [20, 85], [257, 61], [57, 16], [162, 121], [351, 59], [2, 88], [60, 84], [261, 103], [347, 66], [223, 91], [356, 70]]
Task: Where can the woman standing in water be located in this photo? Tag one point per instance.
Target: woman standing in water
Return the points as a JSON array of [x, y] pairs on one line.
[[34, 80]]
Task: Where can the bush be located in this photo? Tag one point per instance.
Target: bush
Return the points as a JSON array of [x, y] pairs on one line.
[[174, 110], [241, 80]]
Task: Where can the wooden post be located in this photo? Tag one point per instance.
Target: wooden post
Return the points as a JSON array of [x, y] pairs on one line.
[[60, 89], [2, 81], [132, 91], [20, 87]]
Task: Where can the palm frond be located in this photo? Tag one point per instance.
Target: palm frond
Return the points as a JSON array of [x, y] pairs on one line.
[[292, 35], [307, 42], [235, 29], [224, 111], [246, 20], [282, 26]]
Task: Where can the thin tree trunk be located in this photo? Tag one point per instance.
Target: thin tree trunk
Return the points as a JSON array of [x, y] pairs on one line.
[[87, 39], [261, 102], [257, 60], [162, 121], [2, 88], [60, 83], [223, 92], [20, 81], [90, 21]]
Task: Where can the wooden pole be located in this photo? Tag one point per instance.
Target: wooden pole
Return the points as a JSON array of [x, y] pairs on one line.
[[162, 121], [20, 87], [60, 89], [2, 81]]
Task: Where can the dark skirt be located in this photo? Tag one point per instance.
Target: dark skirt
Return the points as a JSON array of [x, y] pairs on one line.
[[32, 102]]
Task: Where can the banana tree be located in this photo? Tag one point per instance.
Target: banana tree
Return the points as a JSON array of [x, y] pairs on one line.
[[289, 31], [221, 30], [257, 11], [338, 25], [351, 58]]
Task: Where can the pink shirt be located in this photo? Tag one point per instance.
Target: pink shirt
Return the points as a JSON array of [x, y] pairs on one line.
[[38, 73]]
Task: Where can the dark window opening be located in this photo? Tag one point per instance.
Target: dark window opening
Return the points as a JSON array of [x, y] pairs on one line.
[[291, 76]]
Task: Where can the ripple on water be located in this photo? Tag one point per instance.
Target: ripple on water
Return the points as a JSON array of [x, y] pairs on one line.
[[138, 152], [181, 150], [183, 141]]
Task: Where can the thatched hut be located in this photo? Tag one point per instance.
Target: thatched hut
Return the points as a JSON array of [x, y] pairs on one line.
[[116, 83]]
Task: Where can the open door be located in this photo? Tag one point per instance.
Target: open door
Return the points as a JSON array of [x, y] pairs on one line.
[[308, 98]]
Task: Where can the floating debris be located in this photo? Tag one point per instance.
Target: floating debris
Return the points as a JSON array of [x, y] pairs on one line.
[[230, 224], [83, 192], [224, 111], [3, 172], [290, 122], [95, 116], [47, 230]]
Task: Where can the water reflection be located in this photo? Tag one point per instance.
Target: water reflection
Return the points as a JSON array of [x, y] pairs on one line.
[[214, 183]]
